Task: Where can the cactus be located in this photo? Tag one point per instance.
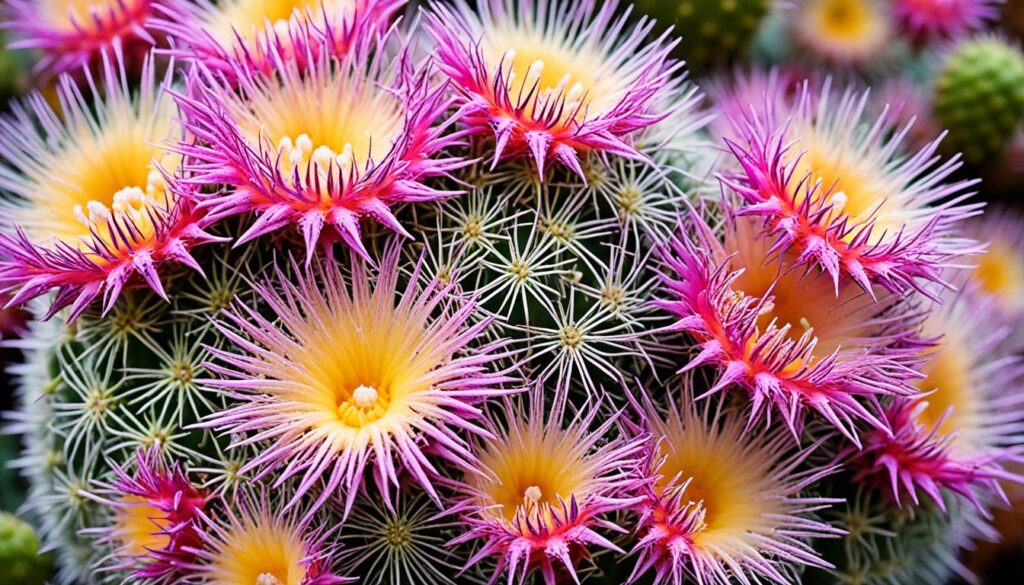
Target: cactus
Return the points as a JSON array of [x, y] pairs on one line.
[[979, 97], [887, 544], [714, 32], [318, 304], [20, 559]]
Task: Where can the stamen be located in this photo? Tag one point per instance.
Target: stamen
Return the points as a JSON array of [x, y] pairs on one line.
[[268, 579], [531, 496], [365, 396], [839, 201], [533, 75]]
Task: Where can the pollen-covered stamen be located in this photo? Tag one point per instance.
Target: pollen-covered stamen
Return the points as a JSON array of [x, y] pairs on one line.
[[131, 206], [325, 126], [543, 75], [268, 579], [364, 406], [301, 156]]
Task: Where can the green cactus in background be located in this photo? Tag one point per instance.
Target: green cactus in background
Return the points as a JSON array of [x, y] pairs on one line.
[[20, 561], [886, 544], [979, 97], [714, 32]]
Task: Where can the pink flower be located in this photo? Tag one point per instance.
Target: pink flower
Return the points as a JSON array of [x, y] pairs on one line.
[[156, 511], [787, 336], [322, 143], [253, 543], [722, 503], [73, 35], [927, 20], [844, 32], [246, 31], [736, 94], [547, 486], [999, 271], [554, 79], [88, 196], [840, 191], [968, 426], [352, 375]]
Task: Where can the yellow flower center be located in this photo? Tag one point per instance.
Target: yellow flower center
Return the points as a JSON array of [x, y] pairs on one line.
[[799, 300], [268, 579], [550, 69], [329, 122], [532, 471], [67, 14], [103, 173], [948, 378], [726, 478], [362, 406], [263, 552], [364, 363], [248, 18], [139, 526], [845, 20], [1000, 270], [852, 185]]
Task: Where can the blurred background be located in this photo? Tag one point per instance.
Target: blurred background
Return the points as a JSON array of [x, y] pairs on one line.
[[949, 64]]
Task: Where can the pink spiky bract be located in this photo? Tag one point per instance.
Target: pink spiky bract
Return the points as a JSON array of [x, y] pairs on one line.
[[961, 435], [784, 335], [930, 20], [357, 375], [295, 163], [159, 496], [71, 38], [253, 541], [88, 207], [841, 191], [735, 94], [721, 504], [218, 35], [571, 475], [553, 79]]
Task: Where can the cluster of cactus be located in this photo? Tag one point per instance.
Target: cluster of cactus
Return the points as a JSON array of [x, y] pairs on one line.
[[564, 266], [481, 296]]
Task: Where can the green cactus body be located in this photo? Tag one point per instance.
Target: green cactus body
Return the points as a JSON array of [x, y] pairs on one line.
[[713, 32], [979, 97], [20, 561]]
